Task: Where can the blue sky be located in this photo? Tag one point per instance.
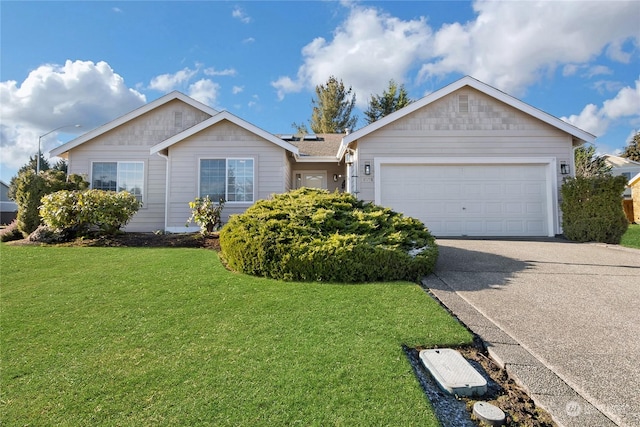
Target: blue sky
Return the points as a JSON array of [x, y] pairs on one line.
[[64, 63]]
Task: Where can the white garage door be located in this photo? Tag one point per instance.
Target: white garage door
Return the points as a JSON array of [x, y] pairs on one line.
[[469, 200]]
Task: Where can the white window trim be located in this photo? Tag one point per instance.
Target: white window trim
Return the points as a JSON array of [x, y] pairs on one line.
[[550, 164], [118, 162], [226, 178]]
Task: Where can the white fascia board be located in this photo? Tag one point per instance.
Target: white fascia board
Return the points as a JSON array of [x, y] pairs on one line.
[[130, 116], [224, 115], [316, 159], [482, 87]]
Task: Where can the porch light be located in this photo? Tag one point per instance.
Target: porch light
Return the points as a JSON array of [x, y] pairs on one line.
[[564, 168], [348, 158], [367, 168]]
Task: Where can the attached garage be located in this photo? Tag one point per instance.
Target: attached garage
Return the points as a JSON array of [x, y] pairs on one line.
[[506, 198], [467, 160]]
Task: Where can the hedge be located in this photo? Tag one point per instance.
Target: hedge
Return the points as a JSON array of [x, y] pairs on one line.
[[592, 209]]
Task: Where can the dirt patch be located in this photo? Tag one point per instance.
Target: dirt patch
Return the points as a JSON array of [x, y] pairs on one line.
[[502, 391]]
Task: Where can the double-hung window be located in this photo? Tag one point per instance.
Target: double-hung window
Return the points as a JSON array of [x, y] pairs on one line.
[[119, 176], [228, 179]]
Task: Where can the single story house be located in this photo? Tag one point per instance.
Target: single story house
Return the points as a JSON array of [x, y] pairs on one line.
[[8, 208], [623, 166], [468, 160]]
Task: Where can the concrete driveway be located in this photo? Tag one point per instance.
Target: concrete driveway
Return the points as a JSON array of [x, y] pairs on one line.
[[563, 318]]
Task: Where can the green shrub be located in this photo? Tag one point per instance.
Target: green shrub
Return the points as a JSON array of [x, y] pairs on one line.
[[314, 235], [206, 214], [592, 209], [78, 212], [28, 191]]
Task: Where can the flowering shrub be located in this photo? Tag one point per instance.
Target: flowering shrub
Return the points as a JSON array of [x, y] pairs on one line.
[[79, 211], [206, 214]]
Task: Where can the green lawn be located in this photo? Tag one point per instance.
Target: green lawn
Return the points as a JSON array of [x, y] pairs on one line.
[[138, 336], [631, 238]]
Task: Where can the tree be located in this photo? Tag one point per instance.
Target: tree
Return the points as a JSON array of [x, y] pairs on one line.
[[632, 151], [28, 188], [333, 107], [392, 99], [590, 165]]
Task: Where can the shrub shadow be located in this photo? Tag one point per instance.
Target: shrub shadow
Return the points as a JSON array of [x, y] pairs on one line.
[[467, 270]]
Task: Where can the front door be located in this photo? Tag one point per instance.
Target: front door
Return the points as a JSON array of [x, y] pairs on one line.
[[310, 179]]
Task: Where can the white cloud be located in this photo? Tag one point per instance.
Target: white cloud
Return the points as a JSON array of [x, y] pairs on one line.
[[169, 82], [205, 91], [241, 15], [117, 10], [510, 45], [625, 105], [226, 72], [237, 89], [78, 92], [249, 40], [367, 50]]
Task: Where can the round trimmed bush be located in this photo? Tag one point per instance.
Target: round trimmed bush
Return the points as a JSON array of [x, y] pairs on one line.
[[314, 235]]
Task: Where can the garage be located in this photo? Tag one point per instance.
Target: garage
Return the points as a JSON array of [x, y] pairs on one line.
[[470, 199]]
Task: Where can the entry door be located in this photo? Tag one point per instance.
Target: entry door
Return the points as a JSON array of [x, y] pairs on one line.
[[311, 179]]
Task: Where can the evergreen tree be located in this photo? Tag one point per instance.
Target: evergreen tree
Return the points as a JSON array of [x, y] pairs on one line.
[[333, 107], [590, 165], [392, 99], [632, 151]]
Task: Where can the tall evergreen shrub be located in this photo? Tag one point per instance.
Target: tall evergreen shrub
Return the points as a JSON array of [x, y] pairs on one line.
[[592, 209], [31, 187]]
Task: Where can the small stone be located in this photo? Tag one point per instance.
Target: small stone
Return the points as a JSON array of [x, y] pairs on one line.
[[489, 413]]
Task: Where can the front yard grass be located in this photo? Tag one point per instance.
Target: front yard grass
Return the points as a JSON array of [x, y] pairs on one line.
[[167, 336], [631, 238]]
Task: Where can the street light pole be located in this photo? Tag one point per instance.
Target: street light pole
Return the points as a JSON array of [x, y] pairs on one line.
[[40, 144]]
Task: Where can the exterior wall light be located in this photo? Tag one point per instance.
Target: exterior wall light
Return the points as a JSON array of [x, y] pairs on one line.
[[367, 168], [564, 168]]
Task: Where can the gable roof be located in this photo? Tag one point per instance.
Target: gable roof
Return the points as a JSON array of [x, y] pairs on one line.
[[321, 147], [130, 116], [224, 115], [579, 135], [617, 161]]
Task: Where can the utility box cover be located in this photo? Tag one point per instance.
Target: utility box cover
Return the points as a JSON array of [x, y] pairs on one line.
[[453, 372]]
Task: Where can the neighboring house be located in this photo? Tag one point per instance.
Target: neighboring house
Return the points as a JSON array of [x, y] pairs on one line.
[[634, 184], [468, 160], [623, 166], [8, 208]]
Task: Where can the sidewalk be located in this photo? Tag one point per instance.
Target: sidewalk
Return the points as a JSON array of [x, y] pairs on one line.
[[563, 318]]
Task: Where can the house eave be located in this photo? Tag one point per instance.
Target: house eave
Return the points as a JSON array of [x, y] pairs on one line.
[[64, 148], [578, 134]]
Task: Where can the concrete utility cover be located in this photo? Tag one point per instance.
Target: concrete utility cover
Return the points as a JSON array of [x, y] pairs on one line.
[[453, 372], [489, 413]]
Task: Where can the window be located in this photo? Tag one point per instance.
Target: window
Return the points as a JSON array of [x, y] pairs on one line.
[[119, 176], [231, 179]]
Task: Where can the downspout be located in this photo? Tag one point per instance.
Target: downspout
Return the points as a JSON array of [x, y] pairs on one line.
[[166, 189]]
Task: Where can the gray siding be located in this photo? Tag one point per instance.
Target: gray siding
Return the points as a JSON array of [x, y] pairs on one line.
[[490, 128], [132, 142], [220, 141]]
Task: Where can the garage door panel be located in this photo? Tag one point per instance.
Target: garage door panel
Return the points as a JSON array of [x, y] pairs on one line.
[[473, 200]]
